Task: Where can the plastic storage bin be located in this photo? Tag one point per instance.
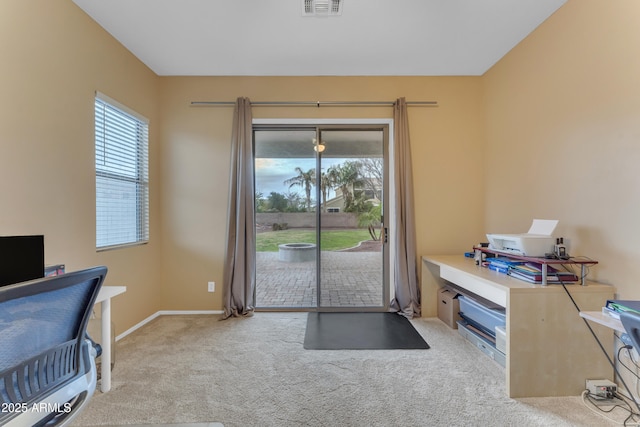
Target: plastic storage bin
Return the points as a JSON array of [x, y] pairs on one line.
[[501, 339], [480, 316]]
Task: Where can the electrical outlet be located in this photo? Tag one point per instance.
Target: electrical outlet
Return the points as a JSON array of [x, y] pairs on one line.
[[211, 286]]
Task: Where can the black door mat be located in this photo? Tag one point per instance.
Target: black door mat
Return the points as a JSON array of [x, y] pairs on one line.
[[361, 331]]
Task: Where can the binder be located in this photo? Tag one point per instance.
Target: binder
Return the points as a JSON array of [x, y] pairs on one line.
[[618, 306]]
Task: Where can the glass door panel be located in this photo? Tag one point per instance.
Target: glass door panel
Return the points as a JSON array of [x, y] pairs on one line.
[[320, 188], [285, 205], [351, 193]]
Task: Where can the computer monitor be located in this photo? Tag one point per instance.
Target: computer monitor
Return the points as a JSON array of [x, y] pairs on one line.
[[21, 258]]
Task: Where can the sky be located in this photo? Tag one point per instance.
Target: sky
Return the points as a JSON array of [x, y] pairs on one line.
[[271, 174]]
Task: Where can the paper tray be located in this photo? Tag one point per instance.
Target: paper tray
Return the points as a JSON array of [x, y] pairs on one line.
[[484, 345]]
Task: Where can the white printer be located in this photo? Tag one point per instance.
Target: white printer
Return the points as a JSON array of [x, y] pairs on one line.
[[537, 242]]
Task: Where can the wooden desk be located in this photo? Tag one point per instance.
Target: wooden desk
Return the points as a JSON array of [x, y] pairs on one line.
[[550, 351], [104, 298]]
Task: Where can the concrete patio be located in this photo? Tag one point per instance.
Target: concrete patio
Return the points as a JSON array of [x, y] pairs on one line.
[[349, 279]]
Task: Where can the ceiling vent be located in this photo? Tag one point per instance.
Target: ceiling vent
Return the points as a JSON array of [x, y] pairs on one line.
[[322, 7]]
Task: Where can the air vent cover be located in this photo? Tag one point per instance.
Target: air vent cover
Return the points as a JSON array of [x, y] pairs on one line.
[[322, 7]]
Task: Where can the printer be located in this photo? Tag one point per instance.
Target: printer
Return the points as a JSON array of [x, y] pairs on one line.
[[537, 242]]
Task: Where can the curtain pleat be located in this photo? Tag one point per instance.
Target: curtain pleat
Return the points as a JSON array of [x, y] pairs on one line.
[[407, 292], [240, 265]]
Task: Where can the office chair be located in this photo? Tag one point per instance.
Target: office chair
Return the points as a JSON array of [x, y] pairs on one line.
[[631, 323], [47, 363]]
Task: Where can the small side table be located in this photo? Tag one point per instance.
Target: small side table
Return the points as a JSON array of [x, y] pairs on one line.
[[603, 319], [104, 297]]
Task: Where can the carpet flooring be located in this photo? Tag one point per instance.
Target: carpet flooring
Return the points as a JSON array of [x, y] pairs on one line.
[[172, 425], [361, 331], [255, 372]]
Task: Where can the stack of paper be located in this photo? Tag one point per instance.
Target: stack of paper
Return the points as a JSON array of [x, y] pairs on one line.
[[532, 272]]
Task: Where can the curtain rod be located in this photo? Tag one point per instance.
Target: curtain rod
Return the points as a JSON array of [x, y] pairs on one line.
[[316, 103]]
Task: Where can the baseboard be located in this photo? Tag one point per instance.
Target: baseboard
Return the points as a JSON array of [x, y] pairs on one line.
[[187, 312], [165, 313]]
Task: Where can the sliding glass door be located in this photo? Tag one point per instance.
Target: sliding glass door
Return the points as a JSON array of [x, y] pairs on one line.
[[319, 218], [352, 170], [285, 204]]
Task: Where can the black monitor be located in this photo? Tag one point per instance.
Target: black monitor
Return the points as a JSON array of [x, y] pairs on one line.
[[21, 258]]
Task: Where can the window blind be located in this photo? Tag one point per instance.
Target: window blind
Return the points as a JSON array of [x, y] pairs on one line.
[[122, 175]]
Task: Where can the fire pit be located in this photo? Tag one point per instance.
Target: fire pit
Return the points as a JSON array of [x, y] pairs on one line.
[[297, 252]]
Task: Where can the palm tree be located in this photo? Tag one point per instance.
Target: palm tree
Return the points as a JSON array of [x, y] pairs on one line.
[[346, 175], [327, 180], [305, 180], [372, 219]]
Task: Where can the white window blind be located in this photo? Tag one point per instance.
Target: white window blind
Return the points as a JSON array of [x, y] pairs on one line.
[[122, 175]]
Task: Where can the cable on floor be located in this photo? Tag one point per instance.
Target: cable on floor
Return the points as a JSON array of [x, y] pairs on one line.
[[591, 403]]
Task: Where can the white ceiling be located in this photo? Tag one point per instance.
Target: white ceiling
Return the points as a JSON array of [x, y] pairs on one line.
[[271, 37]]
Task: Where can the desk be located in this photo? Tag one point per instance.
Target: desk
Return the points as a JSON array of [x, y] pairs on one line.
[[603, 319], [104, 297], [550, 352]]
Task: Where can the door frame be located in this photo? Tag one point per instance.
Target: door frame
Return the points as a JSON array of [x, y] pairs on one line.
[[390, 197]]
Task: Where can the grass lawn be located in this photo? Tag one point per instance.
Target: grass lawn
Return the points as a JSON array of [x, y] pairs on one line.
[[331, 240]]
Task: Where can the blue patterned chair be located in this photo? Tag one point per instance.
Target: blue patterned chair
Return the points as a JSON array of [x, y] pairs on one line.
[[47, 361], [631, 323]]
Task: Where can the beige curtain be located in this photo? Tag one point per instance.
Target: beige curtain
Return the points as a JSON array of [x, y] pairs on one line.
[[240, 265], [407, 293]]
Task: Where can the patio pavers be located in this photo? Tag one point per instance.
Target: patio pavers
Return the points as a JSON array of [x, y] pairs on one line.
[[349, 279]]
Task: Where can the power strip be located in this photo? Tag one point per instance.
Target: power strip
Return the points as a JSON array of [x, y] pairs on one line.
[[601, 389]]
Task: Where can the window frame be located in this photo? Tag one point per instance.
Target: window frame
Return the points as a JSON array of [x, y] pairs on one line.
[[131, 168]]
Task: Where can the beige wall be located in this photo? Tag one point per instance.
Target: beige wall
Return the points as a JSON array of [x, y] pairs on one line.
[[563, 135], [549, 132], [54, 58], [446, 143]]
